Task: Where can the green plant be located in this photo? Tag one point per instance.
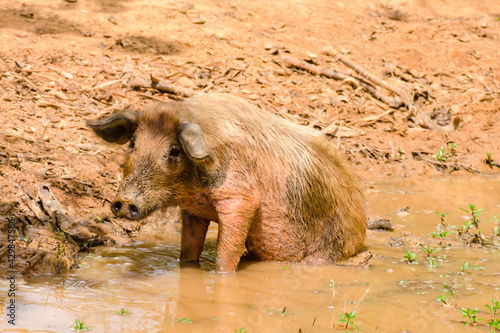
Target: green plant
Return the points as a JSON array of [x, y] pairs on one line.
[[447, 287], [185, 320], [471, 315], [441, 155], [493, 308], [441, 234], [432, 261], [400, 153], [122, 312], [428, 250], [495, 323], [283, 312], [240, 330], [473, 222], [403, 282], [465, 267], [442, 216], [489, 161], [409, 257], [347, 319], [80, 326], [452, 146], [496, 229], [442, 298]]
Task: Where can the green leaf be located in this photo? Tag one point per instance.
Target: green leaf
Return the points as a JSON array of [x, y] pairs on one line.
[[465, 210], [185, 320]]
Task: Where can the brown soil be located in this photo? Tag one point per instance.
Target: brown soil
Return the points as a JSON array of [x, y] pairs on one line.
[[63, 62]]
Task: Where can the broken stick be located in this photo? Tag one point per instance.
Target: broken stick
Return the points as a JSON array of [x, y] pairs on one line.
[[315, 69], [393, 102], [368, 76], [161, 86]]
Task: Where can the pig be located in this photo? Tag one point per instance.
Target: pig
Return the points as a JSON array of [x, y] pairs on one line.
[[278, 191]]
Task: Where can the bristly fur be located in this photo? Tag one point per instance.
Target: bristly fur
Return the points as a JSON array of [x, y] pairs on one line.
[[279, 189], [324, 198]]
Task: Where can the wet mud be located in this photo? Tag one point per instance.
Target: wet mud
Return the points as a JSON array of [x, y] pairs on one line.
[[389, 295]]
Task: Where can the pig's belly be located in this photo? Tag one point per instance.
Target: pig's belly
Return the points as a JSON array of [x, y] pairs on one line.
[[274, 239]]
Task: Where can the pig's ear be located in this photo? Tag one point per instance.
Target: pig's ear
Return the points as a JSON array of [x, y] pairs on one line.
[[117, 128], [193, 142]]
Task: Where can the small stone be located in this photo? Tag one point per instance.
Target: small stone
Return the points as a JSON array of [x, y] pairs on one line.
[[396, 15], [52, 118], [278, 25], [269, 46], [464, 37], [113, 19], [273, 51], [198, 20]]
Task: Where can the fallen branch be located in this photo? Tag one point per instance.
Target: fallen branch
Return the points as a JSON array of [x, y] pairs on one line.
[[161, 86], [424, 119], [49, 104], [368, 76], [315, 69], [105, 84], [453, 166], [374, 118], [393, 102]]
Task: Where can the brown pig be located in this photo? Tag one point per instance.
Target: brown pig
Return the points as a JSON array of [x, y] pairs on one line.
[[278, 191]]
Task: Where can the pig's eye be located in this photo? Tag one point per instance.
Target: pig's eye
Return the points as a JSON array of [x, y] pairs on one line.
[[174, 151], [131, 145]]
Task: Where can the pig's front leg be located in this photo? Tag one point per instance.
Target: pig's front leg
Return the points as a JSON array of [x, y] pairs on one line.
[[235, 219], [194, 230]]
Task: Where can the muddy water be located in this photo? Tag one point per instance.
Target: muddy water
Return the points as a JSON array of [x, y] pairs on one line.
[[147, 281]]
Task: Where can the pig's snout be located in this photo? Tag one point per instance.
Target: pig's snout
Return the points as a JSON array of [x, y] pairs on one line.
[[126, 207]]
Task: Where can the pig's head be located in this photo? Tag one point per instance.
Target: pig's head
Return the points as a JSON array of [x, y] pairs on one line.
[[165, 153]]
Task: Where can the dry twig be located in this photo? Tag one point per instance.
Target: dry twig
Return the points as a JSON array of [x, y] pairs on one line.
[[161, 86], [373, 119], [315, 69], [361, 299], [452, 166], [342, 76], [368, 76]]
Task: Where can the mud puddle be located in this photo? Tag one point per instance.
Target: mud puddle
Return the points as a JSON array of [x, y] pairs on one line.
[[146, 279]]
